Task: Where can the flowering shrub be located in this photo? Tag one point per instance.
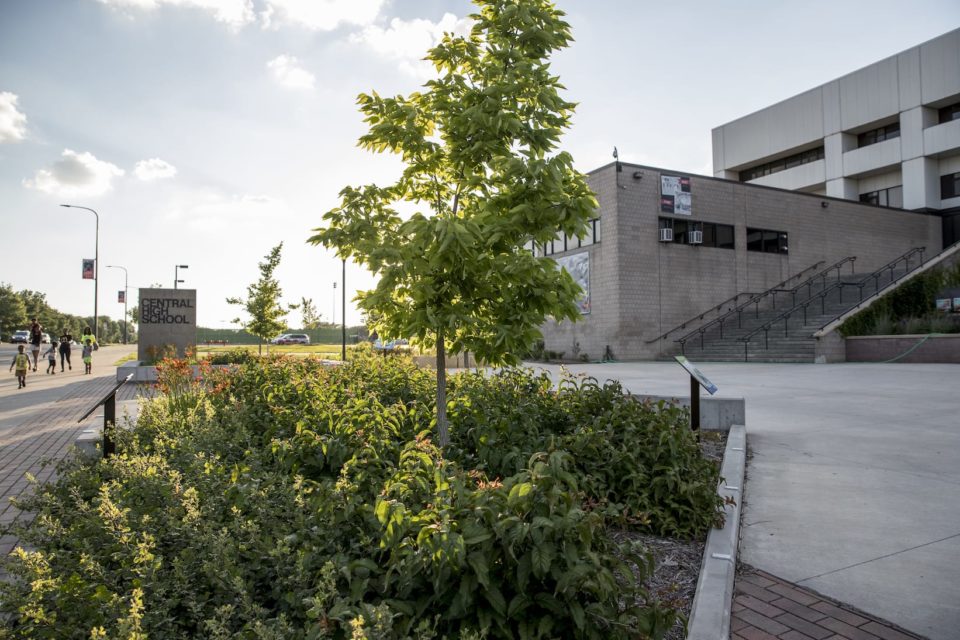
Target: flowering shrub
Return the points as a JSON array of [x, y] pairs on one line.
[[286, 499]]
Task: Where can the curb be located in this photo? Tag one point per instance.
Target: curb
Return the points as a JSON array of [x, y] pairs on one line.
[[710, 615]]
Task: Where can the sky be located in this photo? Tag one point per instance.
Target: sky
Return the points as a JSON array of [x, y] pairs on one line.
[[205, 132]]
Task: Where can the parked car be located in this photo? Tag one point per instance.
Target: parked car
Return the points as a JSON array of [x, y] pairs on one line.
[[292, 338], [22, 336], [45, 338]]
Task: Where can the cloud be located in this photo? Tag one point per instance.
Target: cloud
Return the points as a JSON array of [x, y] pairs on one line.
[[77, 174], [212, 210], [320, 15], [234, 13], [407, 41], [287, 71], [13, 124], [154, 169]]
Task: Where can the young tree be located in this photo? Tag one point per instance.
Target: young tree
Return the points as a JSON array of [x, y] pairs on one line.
[[479, 148], [263, 302], [311, 317]]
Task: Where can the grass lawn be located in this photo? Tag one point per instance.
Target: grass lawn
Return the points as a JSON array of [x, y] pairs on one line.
[[330, 351]]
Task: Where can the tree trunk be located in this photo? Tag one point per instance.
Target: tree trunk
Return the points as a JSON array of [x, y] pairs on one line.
[[442, 392], [260, 346]]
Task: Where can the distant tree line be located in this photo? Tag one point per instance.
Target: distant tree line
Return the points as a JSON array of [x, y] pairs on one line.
[[324, 334], [17, 308]]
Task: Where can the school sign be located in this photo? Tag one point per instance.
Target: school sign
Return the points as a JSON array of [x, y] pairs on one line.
[[166, 317]]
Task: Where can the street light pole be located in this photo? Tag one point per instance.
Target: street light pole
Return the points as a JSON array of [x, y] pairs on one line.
[[343, 310], [96, 265], [126, 296], [176, 275]]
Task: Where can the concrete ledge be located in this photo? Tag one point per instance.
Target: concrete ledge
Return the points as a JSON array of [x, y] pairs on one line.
[[716, 414], [710, 616], [943, 348], [141, 373], [89, 441]]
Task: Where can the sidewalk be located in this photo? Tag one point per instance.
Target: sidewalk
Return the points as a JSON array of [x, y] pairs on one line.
[[852, 479], [768, 608], [40, 422]]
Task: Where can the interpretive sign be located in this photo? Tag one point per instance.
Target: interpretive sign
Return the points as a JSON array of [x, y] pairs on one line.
[[696, 374], [697, 380], [167, 317]]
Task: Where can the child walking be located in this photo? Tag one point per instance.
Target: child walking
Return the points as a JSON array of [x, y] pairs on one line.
[[51, 354], [22, 362], [87, 354]]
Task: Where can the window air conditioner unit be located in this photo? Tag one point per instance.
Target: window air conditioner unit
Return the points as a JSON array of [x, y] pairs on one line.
[[696, 237], [666, 235]]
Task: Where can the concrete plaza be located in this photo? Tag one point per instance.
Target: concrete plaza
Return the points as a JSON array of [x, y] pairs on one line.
[[854, 479]]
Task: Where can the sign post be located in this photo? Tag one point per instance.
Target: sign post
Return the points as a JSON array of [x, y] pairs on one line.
[[697, 380]]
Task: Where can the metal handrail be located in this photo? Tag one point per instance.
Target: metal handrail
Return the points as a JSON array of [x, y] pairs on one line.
[[755, 300], [109, 402], [700, 316], [891, 266], [808, 283], [822, 295]]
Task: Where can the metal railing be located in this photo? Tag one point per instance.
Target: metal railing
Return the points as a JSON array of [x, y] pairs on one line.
[[717, 307], [755, 300], [109, 402], [822, 276], [822, 296]]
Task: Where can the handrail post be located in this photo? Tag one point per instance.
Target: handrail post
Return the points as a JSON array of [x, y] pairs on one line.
[[109, 422], [766, 338], [745, 343]]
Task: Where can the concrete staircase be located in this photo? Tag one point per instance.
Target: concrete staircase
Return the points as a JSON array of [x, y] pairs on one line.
[[784, 339]]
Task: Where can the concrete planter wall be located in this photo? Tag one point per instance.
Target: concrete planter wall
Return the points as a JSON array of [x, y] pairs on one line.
[[928, 349]]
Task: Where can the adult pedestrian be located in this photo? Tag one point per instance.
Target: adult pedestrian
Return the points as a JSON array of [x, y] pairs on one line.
[[36, 338], [88, 335], [65, 340]]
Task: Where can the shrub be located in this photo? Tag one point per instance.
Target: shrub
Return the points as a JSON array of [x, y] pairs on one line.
[[910, 308], [286, 499]]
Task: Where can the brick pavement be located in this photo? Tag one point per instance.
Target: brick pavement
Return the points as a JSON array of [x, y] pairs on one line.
[[40, 425], [768, 608]]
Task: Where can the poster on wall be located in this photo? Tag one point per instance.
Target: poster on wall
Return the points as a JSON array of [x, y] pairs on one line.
[[578, 266], [675, 194]]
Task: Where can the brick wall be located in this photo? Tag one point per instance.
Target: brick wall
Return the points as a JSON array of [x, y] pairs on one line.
[[640, 287]]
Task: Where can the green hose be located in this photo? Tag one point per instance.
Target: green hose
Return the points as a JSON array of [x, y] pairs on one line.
[[913, 348]]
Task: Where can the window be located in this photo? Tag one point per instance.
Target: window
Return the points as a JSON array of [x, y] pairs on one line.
[[950, 113], [874, 136], [774, 166], [892, 197], [767, 241], [950, 186], [567, 243], [719, 236]]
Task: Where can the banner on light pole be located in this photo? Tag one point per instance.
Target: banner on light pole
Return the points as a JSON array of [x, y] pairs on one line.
[[88, 269], [121, 297]]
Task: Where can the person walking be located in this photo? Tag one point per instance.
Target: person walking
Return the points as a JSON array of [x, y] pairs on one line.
[[51, 354], [22, 363], [87, 353], [65, 340], [88, 334], [36, 338]]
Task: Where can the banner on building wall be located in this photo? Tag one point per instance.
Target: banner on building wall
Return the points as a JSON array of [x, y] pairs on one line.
[[675, 195], [88, 269], [578, 266]]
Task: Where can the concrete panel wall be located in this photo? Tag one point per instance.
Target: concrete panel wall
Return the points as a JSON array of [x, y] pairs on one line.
[[802, 177], [870, 94], [786, 125], [939, 61], [942, 138], [871, 158]]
